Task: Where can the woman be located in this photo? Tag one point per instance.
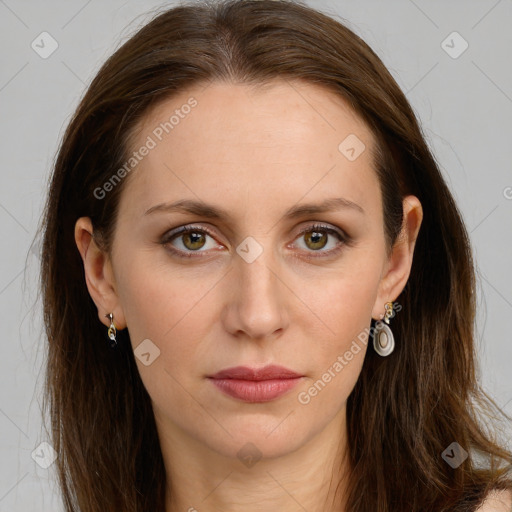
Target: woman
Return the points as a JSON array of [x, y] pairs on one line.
[[258, 290]]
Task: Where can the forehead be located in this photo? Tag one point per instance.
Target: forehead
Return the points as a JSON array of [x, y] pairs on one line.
[[279, 142]]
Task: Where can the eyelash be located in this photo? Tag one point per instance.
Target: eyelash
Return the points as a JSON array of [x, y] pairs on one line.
[[343, 238]]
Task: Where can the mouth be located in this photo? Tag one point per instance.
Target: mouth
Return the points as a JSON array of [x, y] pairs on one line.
[[255, 385]]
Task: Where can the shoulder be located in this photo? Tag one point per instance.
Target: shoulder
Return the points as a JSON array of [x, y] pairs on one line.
[[497, 501]]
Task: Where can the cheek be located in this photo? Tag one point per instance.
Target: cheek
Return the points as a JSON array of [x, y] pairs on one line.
[[157, 295], [167, 312], [339, 339], [170, 308], [344, 301], [338, 344]]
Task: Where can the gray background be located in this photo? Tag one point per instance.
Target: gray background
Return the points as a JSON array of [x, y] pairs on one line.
[[464, 104]]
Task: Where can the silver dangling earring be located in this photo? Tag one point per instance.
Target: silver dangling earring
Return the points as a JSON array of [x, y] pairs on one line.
[[383, 339], [112, 331]]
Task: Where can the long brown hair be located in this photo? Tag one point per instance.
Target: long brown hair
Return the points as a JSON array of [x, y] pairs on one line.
[[404, 411]]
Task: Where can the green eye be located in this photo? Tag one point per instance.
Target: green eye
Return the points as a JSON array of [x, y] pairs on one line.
[[317, 237], [193, 239]]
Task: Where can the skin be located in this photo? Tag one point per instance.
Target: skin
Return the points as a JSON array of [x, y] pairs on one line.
[[254, 153], [497, 501]]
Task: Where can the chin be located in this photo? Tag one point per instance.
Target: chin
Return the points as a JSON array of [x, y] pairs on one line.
[[257, 437]]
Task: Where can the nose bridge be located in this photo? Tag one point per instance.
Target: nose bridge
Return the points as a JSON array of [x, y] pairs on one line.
[[258, 276], [258, 298]]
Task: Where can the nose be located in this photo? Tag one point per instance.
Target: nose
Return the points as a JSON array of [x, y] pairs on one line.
[[257, 308]]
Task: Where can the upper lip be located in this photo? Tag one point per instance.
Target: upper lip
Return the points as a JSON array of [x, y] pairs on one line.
[[268, 372]]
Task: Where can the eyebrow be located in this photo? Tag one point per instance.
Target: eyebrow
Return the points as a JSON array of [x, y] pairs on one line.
[[214, 212]]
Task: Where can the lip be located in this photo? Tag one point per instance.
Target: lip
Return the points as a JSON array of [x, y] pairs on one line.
[[268, 372], [256, 384]]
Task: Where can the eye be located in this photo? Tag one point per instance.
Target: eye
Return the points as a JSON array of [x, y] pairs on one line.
[[191, 239], [188, 241], [317, 237]]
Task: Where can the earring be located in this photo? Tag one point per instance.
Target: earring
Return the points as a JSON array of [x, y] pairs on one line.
[[112, 331], [383, 339]]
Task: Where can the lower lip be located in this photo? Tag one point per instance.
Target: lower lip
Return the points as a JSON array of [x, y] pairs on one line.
[[255, 390]]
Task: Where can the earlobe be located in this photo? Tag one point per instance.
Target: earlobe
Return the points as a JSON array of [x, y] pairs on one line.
[[98, 274], [399, 265]]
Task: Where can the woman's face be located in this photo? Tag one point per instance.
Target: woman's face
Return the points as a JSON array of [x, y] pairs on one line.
[[258, 285]]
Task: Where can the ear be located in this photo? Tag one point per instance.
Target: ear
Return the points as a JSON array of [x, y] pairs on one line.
[[398, 266], [99, 276]]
